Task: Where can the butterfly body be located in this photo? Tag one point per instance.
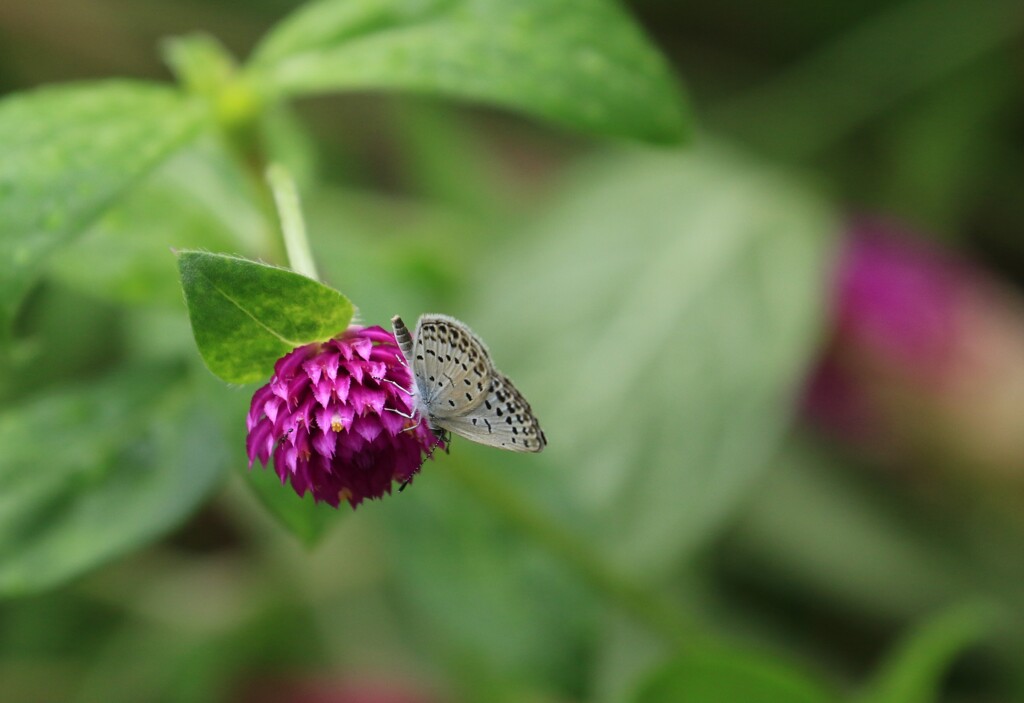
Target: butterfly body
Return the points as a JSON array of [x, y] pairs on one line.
[[459, 390]]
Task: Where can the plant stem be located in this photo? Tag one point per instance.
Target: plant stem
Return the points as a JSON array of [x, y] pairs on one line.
[[659, 614], [293, 228]]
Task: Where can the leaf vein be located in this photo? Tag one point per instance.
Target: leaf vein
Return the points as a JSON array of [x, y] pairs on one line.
[[285, 340]]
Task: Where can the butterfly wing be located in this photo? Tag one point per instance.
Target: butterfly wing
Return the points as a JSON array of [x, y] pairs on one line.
[[452, 366], [504, 419]]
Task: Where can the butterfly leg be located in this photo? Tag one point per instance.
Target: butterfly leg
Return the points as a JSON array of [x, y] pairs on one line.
[[399, 386], [408, 417], [396, 411]]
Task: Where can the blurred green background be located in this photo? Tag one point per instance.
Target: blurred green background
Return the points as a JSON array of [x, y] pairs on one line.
[[661, 308]]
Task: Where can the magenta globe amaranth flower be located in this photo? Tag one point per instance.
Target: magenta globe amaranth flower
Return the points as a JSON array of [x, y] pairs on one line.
[[335, 417], [925, 362]]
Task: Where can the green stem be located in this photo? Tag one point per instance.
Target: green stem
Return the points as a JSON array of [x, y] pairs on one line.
[[659, 614], [293, 227]]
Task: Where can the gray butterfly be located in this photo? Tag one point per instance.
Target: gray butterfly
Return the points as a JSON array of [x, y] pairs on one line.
[[458, 389]]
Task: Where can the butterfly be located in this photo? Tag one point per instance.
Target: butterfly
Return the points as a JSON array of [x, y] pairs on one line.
[[459, 390]]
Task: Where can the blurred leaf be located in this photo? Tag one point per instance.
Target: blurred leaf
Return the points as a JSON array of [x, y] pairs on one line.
[[689, 295], [825, 530], [44, 355], [303, 517], [863, 72], [486, 600], [69, 152], [200, 63], [287, 141], [584, 64], [913, 671], [94, 471], [936, 154], [246, 315], [384, 250], [427, 134], [722, 675], [197, 199]]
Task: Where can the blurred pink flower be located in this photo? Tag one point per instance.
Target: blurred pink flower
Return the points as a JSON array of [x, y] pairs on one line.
[[328, 416], [926, 359]]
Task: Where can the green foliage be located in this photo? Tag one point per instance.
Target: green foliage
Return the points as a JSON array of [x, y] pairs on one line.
[[914, 670], [723, 675], [246, 315], [702, 272], [69, 151], [580, 63], [77, 157], [654, 273], [126, 459], [472, 573], [302, 517], [78, 148], [203, 201], [660, 319]]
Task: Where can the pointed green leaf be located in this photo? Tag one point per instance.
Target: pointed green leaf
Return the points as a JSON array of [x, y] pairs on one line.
[[584, 64], [94, 471], [913, 671], [246, 315], [727, 675], [68, 153]]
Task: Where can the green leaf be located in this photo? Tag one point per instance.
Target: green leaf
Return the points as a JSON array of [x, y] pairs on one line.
[[513, 614], [690, 292], [94, 471], [913, 671], [584, 64], [204, 201], [69, 152], [303, 517], [831, 530], [724, 675], [42, 357], [246, 315]]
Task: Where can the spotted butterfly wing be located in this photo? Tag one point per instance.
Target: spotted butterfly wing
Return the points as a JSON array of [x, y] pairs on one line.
[[460, 390], [503, 420], [452, 366]]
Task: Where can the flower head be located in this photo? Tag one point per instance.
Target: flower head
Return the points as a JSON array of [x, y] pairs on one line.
[[895, 310], [925, 364], [335, 416]]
